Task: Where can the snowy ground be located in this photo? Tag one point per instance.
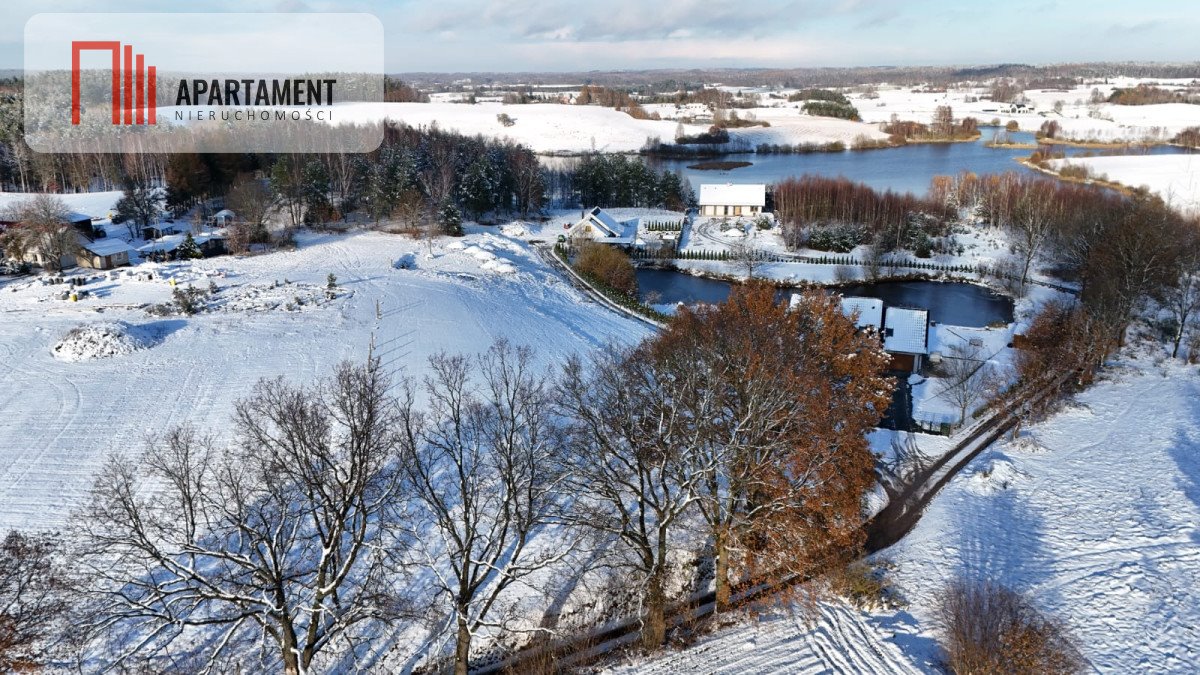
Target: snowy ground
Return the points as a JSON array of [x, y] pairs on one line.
[[94, 204], [1095, 512], [1175, 178], [838, 639], [60, 418]]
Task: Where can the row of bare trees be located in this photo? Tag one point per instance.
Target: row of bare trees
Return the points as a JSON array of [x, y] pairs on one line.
[[888, 217], [335, 510]]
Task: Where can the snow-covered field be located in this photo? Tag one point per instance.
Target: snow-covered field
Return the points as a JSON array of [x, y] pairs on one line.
[[559, 128], [1079, 120], [1175, 178], [60, 418], [1095, 512], [545, 128]]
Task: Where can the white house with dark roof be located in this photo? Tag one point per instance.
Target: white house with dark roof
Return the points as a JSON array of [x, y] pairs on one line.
[[732, 199], [600, 226]]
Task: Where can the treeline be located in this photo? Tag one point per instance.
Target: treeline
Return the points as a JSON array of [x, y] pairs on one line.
[[890, 220], [819, 95], [830, 109], [943, 128], [613, 98], [398, 91], [620, 181], [799, 148], [325, 520], [1189, 137], [1146, 94]]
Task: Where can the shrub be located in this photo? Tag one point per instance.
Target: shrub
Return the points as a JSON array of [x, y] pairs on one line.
[[504, 119], [863, 585], [988, 628], [608, 266], [713, 136], [835, 238], [189, 300], [831, 109]]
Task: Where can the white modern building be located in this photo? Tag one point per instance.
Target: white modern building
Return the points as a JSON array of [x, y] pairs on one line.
[[732, 199]]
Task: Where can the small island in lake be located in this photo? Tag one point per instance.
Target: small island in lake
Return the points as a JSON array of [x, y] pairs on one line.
[[719, 166]]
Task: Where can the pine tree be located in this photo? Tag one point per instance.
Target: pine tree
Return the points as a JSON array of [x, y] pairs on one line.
[[188, 250], [450, 220]]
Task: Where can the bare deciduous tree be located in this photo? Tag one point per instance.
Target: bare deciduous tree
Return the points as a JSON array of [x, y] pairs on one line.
[[630, 465], [271, 544], [32, 599], [42, 230], [745, 255], [969, 378], [484, 476]]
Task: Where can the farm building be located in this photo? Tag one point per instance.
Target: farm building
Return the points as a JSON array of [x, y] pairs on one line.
[[103, 254], [599, 226], [730, 199]]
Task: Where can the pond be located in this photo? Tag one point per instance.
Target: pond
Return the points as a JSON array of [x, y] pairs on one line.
[[906, 169], [953, 303]]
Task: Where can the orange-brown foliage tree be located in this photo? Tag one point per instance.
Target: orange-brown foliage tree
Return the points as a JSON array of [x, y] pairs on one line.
[[796, 390]]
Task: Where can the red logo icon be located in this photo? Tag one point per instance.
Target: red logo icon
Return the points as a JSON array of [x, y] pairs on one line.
[[137, 79]]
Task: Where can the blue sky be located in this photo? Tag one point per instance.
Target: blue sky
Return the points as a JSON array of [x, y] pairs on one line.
[[553, 35]]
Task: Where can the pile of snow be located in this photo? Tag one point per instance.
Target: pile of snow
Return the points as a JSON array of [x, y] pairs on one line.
[[996, 476], [484, 253], [515, 229], [99, 341], [288, 296]]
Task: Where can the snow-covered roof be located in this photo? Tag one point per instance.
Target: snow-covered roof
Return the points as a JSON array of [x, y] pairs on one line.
[[77, 217], [906, 330], [610, 229], [223, 213], [108, 246], [733, 194], [870, 311], [173, 241]]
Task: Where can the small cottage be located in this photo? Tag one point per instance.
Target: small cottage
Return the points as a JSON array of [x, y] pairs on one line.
[[103, 254]]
